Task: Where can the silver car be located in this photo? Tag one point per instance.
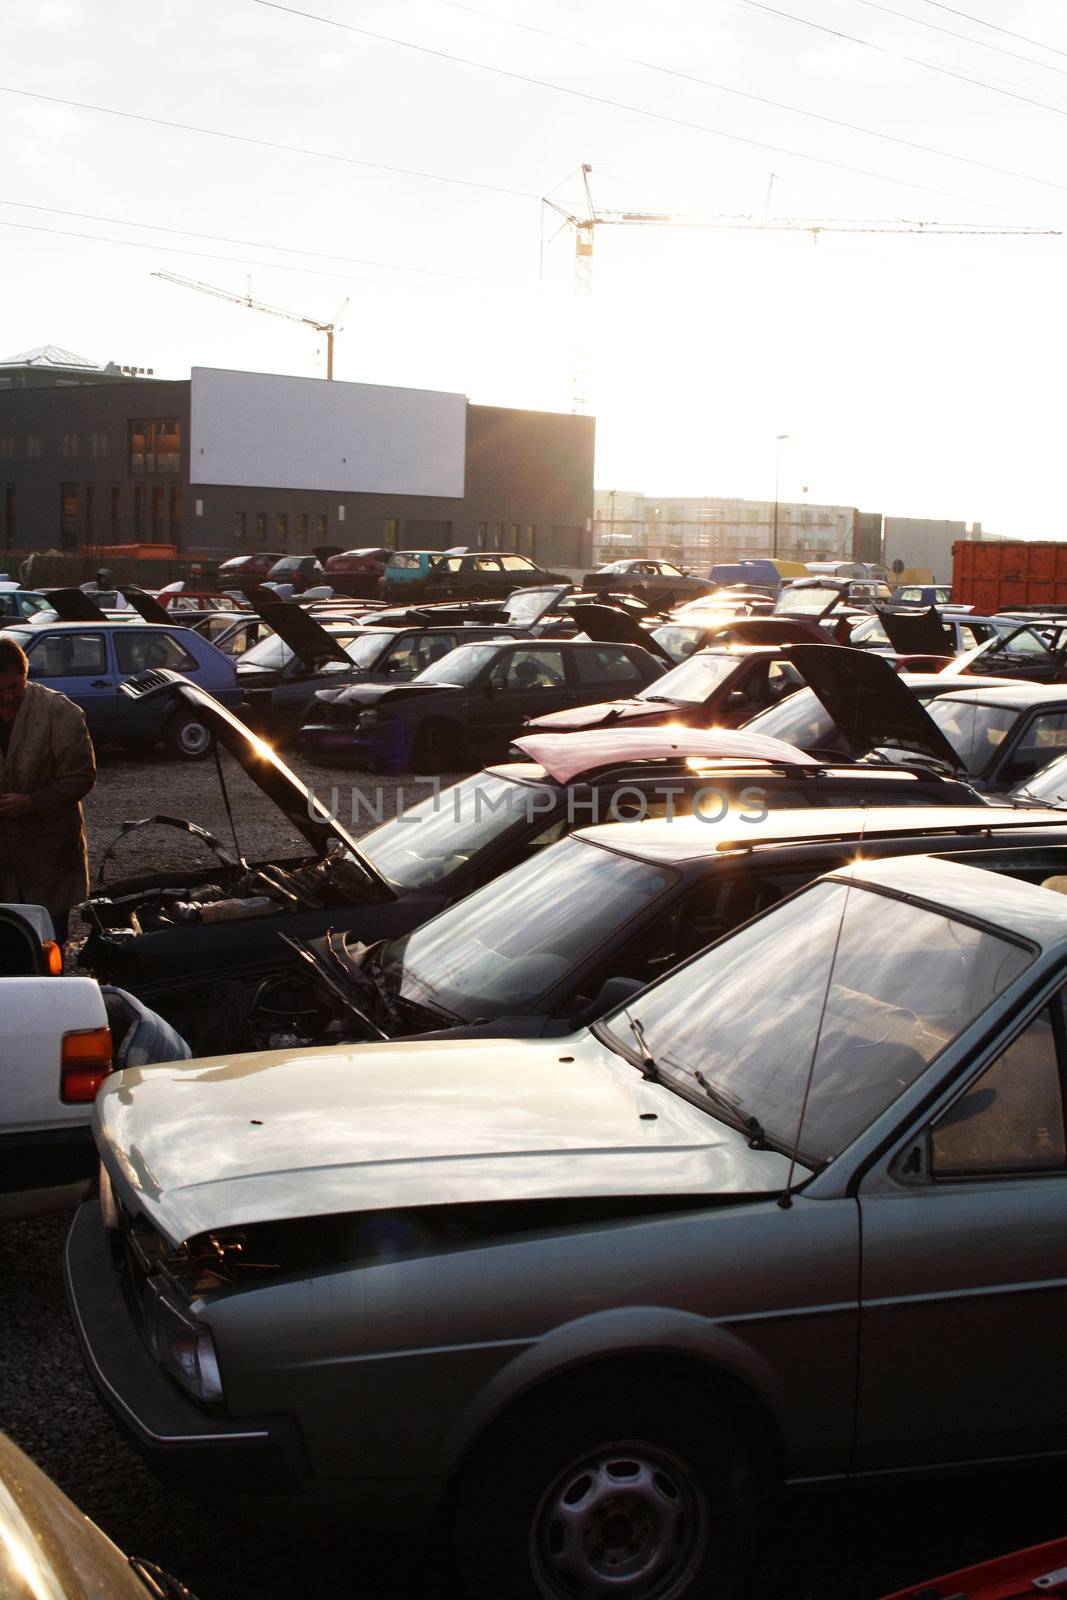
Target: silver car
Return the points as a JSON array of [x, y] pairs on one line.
[[797, 1210]]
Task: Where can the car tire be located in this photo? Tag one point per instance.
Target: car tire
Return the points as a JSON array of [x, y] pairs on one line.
[[187, 737], [439, 747], [630, 1489]]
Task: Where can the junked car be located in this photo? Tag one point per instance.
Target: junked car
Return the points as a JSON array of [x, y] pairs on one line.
[[1006, 734], [584, 1302]]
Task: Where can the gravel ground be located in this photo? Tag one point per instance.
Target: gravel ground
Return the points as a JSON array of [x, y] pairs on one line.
[[830, 1545]]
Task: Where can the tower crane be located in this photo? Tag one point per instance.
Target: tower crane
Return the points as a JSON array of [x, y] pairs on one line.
[[586, 226], [328, 328]]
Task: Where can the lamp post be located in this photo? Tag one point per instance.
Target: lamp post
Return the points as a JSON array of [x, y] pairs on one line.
[[780, 439]]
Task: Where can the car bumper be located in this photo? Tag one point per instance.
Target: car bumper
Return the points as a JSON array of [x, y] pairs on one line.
[[382, 746], [183, 1444]]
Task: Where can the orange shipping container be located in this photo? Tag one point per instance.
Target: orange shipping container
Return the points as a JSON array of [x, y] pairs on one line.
[[1003, 575]]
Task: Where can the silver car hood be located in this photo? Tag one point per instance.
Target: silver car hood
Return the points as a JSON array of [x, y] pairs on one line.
[[224, 1142]]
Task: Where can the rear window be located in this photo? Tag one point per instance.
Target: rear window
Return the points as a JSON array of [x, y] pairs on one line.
[[606, 664], [137, 651]]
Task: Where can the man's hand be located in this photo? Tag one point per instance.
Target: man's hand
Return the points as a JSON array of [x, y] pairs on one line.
[[15, 805]]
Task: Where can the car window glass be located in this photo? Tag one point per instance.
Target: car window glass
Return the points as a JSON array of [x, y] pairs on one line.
[[1011, 1118], [606, 664], [137, 651], [449, 564], [405, 562], [516, 564], [693, 681], [976, 732], [487, 564], [67, 655], [1041, 741], [532, 669]]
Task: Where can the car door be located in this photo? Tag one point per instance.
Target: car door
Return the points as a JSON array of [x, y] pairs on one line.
[[604, 672], [520, 684], [1035, 741], [79, 664], [964, 1271]]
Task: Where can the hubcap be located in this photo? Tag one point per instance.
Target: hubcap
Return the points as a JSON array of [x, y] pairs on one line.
[[628, 1521], [194, 738]]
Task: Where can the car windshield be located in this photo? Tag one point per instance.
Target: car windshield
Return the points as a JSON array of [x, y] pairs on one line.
[[974, 731], [1022, 642], [365, 648], [678, 641], [271, 654], [527, 604], [503, 947], [1049, 785], [461, 665], [803, 720], [869, 632], [806, 602], [446, 830], [871, 987], [692, 681]]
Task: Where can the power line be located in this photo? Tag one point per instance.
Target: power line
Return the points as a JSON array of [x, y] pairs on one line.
[[267, 144], [980, 44], [640, 111], [255, 244], [897, 55], [759, 99], [982, 23], [206, 255]]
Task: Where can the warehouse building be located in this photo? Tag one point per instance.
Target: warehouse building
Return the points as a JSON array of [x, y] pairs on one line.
[[225, 462]]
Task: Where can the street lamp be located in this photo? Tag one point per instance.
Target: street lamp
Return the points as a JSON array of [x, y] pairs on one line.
[[779, 441]]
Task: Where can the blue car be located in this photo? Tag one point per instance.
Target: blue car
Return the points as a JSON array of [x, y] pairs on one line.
[[17, 605], [87, 661]]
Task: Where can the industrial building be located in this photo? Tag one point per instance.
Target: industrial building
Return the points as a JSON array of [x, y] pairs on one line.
[[697, 532], [223, 462]]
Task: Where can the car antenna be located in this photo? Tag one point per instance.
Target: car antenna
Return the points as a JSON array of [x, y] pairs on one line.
[[785, 1200], [226, 802]]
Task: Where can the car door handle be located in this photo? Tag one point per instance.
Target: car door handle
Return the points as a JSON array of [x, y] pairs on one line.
[[101, 683]]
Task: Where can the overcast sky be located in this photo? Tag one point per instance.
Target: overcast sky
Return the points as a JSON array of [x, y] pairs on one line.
[[917, 376]]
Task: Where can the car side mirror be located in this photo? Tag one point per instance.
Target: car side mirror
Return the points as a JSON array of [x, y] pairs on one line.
[[612, 992]]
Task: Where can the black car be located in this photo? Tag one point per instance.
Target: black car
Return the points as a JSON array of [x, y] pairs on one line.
[[470, 705], [658, 583], [1034, 649], [477, 575], [207, 946], [551, 945], [1003, 735]]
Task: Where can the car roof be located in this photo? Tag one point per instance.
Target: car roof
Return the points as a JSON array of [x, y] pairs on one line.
[[567, 756], [1019, 695], [693, 838], [94, 624], [1036, 915]]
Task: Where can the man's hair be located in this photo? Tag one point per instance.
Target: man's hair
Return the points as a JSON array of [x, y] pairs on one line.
[[12, 658]]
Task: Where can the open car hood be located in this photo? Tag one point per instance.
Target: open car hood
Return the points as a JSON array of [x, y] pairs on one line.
[[74, 605], [868, 702], [266, 769], [148, 607], [917, 633], [764, 630], [566, 756], [306, 638], [613, 625]]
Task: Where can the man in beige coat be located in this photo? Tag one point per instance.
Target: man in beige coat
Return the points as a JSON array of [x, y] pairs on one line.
[[46, 767]]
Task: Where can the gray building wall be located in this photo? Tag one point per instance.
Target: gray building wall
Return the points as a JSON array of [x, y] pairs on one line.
[[68, 481]]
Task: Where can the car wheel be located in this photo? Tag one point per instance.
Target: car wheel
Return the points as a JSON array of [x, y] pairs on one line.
[[631, 1491], [439, 747], [186, 737]]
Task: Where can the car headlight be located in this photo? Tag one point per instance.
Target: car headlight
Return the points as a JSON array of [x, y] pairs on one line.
[[183, 1347], [367, 716]]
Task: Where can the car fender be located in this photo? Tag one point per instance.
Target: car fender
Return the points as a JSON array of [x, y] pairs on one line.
[[621, 1331]]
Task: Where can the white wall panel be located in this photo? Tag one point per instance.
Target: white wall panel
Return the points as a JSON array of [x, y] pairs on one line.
[[268, 431]]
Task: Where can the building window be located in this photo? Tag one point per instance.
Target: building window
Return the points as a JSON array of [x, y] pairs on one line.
[[515, 537], [261, 528], [9, 517], [33, 447], [392, 532], [70, 446], [498, 536], [155, 445], [281, 527], [531, 538], [68, 501], [483, 535], [98, 445], [322, 527], [7, 449], [157, 511], [175, 497], [138, 510], [90, 512], [116, 508], [300, 530], [238, 527]]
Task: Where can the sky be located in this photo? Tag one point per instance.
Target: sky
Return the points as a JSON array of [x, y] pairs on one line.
[[393, 159]]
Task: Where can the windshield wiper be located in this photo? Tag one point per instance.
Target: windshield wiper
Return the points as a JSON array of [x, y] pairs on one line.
[[751, 1125], [649, 1068]]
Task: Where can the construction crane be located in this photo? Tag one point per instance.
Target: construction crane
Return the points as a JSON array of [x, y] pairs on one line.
[[585, 227], [328, 328]]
